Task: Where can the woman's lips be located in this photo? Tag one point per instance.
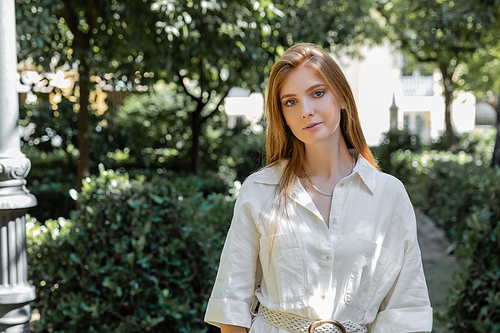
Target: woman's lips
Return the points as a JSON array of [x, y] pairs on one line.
[[311, 127]]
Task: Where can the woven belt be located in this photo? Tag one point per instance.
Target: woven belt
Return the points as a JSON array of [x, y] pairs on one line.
[[297, 324]]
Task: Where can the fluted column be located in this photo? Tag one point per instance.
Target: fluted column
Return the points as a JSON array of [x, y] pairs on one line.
[[15, 291]]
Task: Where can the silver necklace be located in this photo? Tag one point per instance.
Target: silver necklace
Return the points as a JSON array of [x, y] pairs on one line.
[[317, 189]]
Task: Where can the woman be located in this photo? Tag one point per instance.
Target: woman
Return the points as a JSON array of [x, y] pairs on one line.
[[319, 233]]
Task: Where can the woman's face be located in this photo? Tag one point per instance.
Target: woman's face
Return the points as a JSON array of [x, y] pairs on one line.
[[309, 107]]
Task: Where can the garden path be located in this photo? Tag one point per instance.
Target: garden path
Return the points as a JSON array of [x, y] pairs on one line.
[[438, 266]]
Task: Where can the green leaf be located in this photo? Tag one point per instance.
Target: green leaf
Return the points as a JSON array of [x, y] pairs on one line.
[[75, 258], [157, 199], [205, 206]]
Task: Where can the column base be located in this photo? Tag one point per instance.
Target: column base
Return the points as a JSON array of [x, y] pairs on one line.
[[15, 318]]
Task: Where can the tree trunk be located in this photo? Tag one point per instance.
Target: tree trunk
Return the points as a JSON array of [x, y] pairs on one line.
[[496, 151], [83, 124], [196, 123], [448, 98]]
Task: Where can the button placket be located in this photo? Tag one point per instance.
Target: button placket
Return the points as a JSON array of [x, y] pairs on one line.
[[337, 202]]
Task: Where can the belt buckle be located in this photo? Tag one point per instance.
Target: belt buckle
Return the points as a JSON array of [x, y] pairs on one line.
[[321, 322]]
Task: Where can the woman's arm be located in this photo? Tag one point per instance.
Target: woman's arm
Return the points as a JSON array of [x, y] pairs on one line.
[[232, 329], [235, 284]]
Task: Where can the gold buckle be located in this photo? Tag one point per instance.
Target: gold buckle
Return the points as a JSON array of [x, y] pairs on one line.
[[320, 322]]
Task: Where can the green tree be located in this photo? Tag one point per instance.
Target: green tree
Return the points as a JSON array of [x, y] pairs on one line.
[[481, 73], [214, 46], [205, 47], [97, 37], [482, 76], [443, 32]]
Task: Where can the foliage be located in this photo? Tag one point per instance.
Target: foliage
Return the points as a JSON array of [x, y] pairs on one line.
[[50, 131], [102, 35], [147, 132], [143, 136], [442, 184], [204, 47], [481, 74], [474, 300], [140, 255], [478, 143], [460, 192], [395, 140], [227, 44], [338, 26], [97, 39]]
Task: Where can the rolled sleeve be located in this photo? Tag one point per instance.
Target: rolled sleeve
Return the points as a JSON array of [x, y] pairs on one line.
[[235, 284], [406, 308], [415, 319]]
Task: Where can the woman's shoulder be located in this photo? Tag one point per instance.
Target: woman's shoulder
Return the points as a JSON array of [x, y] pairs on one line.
[[388, 181], [268, 175], [378, 181]]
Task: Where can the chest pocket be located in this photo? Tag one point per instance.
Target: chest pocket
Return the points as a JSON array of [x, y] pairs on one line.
[[284, 274], [366, 269]]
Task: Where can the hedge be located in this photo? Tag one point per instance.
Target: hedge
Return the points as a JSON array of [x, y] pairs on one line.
[[139, 256]]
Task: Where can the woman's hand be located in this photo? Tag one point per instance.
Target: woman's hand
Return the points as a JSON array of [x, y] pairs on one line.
[[232, 329]]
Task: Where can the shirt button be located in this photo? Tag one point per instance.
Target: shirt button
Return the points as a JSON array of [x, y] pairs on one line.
[[328, 257], [334, 220], [323, 297], [341, 184]]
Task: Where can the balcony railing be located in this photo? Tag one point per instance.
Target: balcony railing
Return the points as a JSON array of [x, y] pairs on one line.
[[417, 85]]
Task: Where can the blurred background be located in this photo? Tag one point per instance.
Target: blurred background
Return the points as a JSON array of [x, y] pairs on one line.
[[142, 119]]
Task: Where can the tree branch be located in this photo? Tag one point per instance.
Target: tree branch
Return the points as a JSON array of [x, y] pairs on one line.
[[216, 108], [202, 75], [92, 19], [71, 20], [181, 78]]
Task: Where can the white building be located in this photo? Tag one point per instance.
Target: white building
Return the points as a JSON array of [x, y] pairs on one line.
[[378, 76]]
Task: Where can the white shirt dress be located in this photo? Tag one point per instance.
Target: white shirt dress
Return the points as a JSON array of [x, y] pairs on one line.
[[365, 267]]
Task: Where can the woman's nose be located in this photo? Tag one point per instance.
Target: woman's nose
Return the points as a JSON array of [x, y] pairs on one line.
[[307, 110]]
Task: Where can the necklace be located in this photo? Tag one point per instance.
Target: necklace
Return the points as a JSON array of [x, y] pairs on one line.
[[317, 189]]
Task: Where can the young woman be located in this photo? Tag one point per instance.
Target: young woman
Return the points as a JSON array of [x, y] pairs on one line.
[[319, 233]]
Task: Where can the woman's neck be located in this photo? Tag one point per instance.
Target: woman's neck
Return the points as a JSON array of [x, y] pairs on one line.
[[329, 160]]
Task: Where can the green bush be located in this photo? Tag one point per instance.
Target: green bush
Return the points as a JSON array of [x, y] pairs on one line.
[[53, 199], [443, 185], [138, 256], [479, 143], [395, 140], [474, 300]]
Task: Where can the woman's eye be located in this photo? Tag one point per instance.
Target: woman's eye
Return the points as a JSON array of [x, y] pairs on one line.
[[319, 93], [290, 102]]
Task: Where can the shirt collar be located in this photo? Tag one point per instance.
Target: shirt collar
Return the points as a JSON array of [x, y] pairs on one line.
[[272, 175]]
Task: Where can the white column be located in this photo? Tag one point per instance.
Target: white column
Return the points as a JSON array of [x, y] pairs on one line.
[[15, 291]]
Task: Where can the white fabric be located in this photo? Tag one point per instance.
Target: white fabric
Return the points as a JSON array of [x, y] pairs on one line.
[[366, 267]]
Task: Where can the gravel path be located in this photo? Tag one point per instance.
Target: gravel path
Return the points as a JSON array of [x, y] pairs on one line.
[[438, 266]]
